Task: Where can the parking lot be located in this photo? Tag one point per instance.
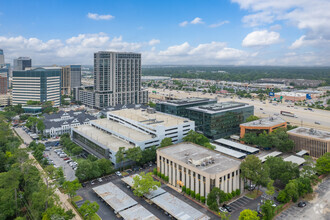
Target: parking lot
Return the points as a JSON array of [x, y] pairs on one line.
[[69, 173], [106, 212]]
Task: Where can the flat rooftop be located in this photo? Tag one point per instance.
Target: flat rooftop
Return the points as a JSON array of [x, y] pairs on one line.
[[108, 140], [115, 197], [137, 212], [219, 107], [236, 145], [178, 208], [150, 119], [188, 101], [311, 132], [230, 152], [295, 159], [264, 122], [122, 129], [204, 159], [272, 154]]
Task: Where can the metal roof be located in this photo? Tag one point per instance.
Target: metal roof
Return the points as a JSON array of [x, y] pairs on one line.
[[295, 159], [272, 154], [302, 153], [178, 208], [137, 212], [115, 197], [237, 145], [129, 181], [229, 152]]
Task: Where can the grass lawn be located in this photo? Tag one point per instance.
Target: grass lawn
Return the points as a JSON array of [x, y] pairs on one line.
[[77, 198], [124, 173], [96, 217], [253, 194]]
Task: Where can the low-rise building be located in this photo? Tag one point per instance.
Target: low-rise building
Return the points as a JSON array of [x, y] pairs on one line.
[[264, 124], [199, 168], [220, 120], [85, 95], [315, 142], [5, 100], [60, 123], [128, 128], [179, 107]]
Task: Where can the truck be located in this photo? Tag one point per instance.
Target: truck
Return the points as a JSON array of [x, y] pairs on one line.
[[290, 114]]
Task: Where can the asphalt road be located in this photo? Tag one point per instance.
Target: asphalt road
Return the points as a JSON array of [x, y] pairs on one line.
[[304, 117], [26, 138]]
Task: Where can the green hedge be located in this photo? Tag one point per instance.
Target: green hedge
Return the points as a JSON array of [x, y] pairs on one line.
[[203, 199]]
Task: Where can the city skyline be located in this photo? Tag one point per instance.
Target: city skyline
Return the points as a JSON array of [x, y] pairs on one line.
[[236, 32]]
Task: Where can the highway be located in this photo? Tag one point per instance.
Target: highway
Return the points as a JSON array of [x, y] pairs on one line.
[[304, 118]]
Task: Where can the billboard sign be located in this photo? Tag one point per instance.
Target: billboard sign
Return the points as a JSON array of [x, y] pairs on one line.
[[271, 94], [308, 96]]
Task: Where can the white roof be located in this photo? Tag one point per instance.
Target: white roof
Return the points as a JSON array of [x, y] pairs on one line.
[[302, 153], [295, 159], [272, 154], [137, 212], [237, 145], [229, 152], [178, 208], [115, 197]]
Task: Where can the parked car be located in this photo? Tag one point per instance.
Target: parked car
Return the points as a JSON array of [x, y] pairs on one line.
[[223, 209], [68, 161], [99, 179], [227, 207], [317, 123], [63, 155], [118, 173], [302, 204], [67, 158], [92, 182]]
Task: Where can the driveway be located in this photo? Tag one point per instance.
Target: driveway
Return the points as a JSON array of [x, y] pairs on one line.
[[26, 138], [318, 208], [68, 171]]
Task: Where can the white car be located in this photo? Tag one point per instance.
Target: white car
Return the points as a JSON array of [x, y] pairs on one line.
[[118, 173], [222, 209]]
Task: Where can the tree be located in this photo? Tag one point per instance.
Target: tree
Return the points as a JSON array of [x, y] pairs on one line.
[[252, 118], [57, 212], [254, 170], [88, 209], [144, 183], [71, 187], [166, 142], [199, 139], [248, 214], [134, 154], [308, 170], [120, 156], [291, 190], [152, 105], [77, 150], [148, 154], [268, 210], [270, 188], [323, 164], [105, 166]]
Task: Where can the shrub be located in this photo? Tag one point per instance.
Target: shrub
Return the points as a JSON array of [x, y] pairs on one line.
[[155, 171], [159, 174], [238, 192], [184, 189], [192, 194], [188, 191], [202, 199], [198, 196], [233, 193], [166, 178], [229, 196], [163, 176]]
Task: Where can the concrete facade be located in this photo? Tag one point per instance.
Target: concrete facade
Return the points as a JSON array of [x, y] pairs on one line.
[[199, 168]]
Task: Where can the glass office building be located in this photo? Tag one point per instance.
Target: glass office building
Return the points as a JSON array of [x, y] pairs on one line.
[[220, 120], [179, 107]]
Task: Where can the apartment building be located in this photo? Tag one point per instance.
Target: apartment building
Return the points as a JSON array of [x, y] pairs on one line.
[[199, 168], [71, 78], [39, 84]]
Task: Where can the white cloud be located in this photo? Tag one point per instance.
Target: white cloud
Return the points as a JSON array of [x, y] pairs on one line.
[[154, 42], [218, 24], [176, 50], [96, 16], [184, 23], [311, 16], [261, 38], [197, 20]]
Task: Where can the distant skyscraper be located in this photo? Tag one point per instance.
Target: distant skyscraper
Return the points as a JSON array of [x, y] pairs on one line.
[[22, 62], [71, 78], [117, 79], [3, 83], [39, 84], [2, 58]]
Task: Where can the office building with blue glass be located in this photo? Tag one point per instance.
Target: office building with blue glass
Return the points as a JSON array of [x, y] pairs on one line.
[[39, 84]]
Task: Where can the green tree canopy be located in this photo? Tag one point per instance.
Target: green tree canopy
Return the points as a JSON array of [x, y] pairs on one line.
[[248, 214], [166, 142], [144, 183], [252, 118], [323, 164], [88, 209], [199, 139], [71, 187]]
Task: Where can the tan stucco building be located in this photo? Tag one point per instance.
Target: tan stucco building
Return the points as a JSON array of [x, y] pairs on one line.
[[315, 142], [199, 168]]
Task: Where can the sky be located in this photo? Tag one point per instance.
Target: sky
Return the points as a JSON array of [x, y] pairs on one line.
[[171, 32]]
